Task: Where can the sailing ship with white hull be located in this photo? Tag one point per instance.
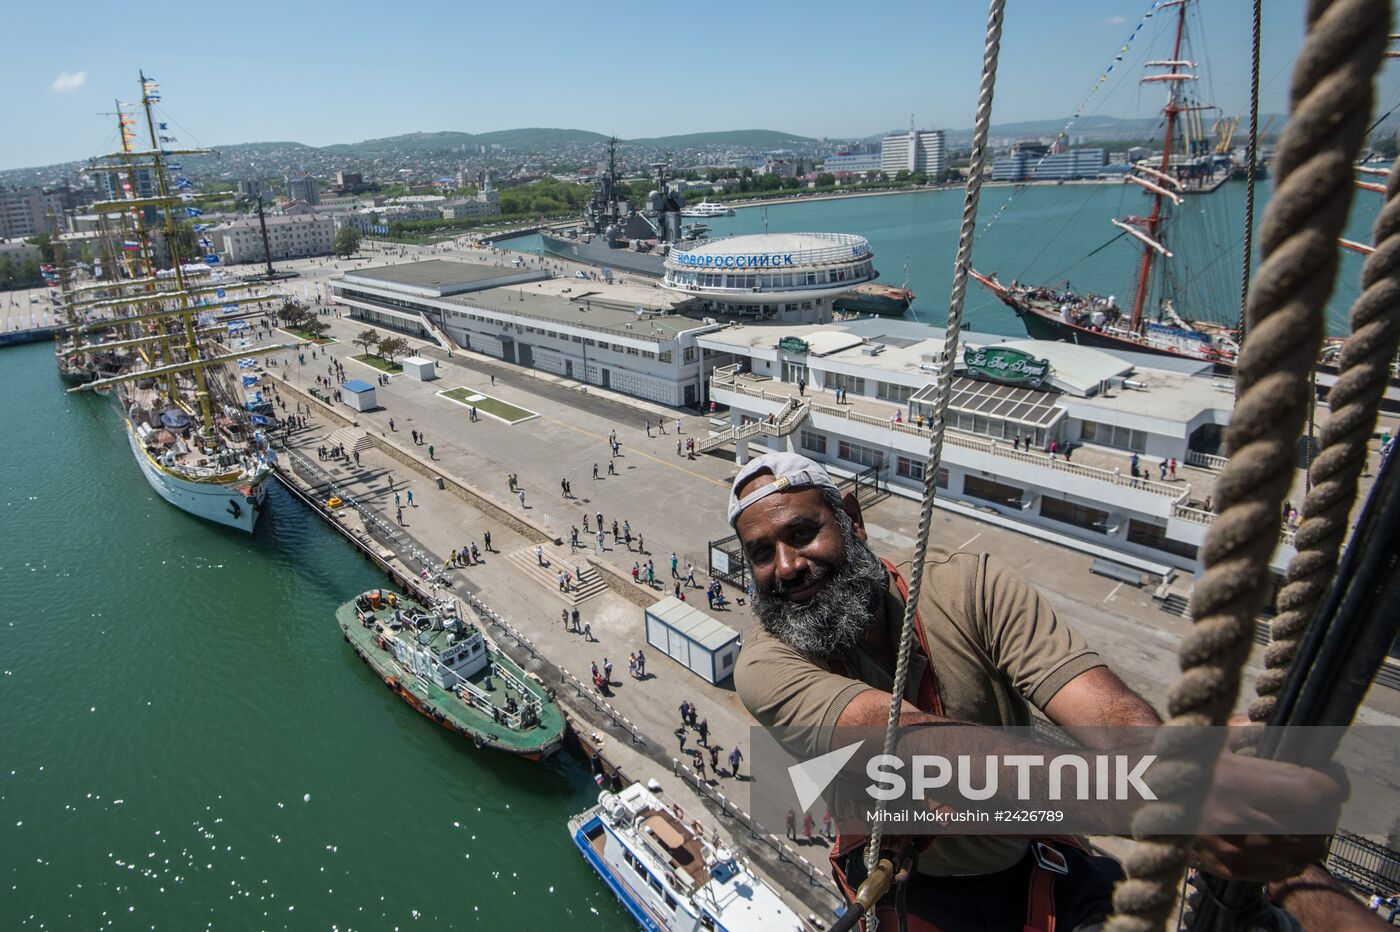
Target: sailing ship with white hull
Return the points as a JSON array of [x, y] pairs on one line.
[[190, 429]]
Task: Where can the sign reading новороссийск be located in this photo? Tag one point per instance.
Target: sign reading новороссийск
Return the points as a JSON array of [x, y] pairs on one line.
[[1001, 364], [757, 261]]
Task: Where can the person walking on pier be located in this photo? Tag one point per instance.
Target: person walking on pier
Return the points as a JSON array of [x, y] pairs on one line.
[[600, 537], [651, 575], [573, 619], [410, 499], [539, 555], [588, 632], [599, 516], [430, 452], [714, 760], [521, 494], [595, 470], [564, 618], [612, 470], [674, 563], [661, 424], [414, 434], [641, 665], [735, 758], [486, 538], [700, 767], [400, 516], [615, 533], [685, 713], [476, 554], [391, 425], [792, 825], [607, 669]]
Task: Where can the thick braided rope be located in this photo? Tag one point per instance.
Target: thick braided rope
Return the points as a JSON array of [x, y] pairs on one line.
[[1331, 97], [976, 172], [1363, 374]]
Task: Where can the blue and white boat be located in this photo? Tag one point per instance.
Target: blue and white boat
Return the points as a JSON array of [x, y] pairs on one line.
[[667, 875]]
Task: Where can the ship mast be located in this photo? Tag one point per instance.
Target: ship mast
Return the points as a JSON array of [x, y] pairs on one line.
[[206, 411], [1154, 220]]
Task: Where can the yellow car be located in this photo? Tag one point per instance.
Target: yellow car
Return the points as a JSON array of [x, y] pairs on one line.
[[334, 502]]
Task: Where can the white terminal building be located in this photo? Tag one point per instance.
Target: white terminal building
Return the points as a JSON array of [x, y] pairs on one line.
[[736, 327]]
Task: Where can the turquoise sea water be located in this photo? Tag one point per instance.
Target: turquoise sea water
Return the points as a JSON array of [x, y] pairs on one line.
[[1047, 234], [186, 742]]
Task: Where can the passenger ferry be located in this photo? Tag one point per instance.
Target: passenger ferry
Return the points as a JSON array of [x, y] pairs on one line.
[[667, 875], [706, 209]]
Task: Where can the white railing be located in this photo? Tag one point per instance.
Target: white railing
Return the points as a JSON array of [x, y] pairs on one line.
[[966, 441], [1205, 460], [1286, 535]]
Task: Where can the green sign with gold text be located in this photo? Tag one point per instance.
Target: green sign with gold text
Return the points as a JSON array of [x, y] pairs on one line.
[[792, 345], [1002, 364]]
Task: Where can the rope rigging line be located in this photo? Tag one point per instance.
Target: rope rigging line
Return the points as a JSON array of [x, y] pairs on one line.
[[1363, 373], [1063, 134], [1251, 175], [966, 234], [1332, 96]]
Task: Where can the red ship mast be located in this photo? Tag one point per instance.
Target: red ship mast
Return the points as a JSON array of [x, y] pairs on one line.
[[1153, 221]]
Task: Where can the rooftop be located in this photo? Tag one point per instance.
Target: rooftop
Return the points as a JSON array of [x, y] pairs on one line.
[[441, 276], [613, 308], [768, 250]]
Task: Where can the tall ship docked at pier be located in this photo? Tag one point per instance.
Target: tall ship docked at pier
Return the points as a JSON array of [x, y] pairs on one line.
[[1176, 271], [666, 874], [170, 345], [614, 234], [1186, 169]]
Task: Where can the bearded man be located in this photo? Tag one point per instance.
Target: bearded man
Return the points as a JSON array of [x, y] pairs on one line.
[[988, 649]]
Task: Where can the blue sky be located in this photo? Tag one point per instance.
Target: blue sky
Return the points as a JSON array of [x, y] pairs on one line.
[[322, 73]]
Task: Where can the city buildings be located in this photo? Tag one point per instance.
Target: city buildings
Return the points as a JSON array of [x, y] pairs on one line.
[[915, 151], [1031, 162], [26, 211], [303, 187], [287, 238], [852, 162], [635, 340], [1012, 400]]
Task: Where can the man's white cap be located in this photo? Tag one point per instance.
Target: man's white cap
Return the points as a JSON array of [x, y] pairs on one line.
[[790, 471]]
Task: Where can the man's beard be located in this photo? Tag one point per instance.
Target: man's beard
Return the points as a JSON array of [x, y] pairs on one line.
[[835, 620]]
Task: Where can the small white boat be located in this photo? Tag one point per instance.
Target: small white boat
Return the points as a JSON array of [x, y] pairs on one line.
[[706, 209], [661, 868]]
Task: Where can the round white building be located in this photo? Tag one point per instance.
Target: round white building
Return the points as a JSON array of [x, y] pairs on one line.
[[789, 277]]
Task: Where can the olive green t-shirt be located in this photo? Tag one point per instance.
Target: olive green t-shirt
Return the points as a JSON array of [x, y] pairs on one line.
[[996, 648]]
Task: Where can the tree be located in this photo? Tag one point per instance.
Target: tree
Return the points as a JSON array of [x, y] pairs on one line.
[[45, 244], [367, 338], [347, 240], [826, 180], [389, 347], [317, 328], [292, 313]]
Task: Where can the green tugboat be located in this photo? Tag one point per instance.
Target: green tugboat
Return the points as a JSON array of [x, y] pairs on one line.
[[443, 666]]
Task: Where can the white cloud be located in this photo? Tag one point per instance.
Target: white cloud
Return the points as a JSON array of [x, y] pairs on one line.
[[66, 83], [1115, 21]]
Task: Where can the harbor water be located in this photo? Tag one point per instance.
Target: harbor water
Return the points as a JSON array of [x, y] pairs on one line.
[[1046, 234], [188, 743]]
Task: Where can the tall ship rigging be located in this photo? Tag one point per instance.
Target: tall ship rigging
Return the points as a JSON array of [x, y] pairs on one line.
[[1185, 169], [160, 342]]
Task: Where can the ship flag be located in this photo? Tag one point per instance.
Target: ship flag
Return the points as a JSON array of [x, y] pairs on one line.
[[259, 419], [220, 293], [247, 363], [211, 259], [200, 227], [206, 242], [249, 381], [163, 125], [194, 211], [174, 166], [130, 244]]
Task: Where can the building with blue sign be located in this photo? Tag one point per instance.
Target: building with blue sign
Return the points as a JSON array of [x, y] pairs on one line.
[[784, 277]]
